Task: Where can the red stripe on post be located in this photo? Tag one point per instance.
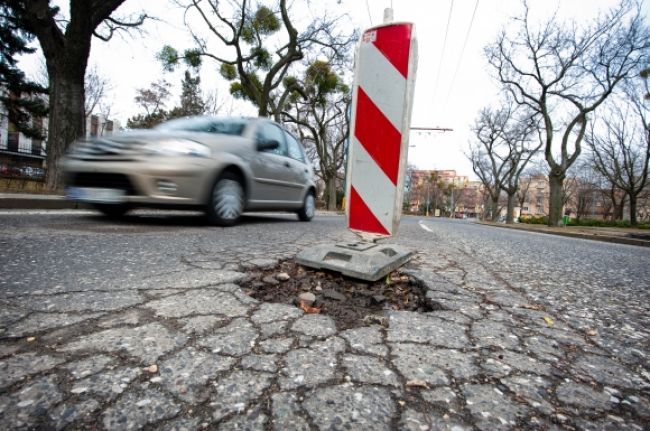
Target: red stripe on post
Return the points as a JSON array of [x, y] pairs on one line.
[[361, 218], [394, 42], [377, 135]]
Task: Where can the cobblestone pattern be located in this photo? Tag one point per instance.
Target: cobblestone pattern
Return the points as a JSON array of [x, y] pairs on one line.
[[201, 354]]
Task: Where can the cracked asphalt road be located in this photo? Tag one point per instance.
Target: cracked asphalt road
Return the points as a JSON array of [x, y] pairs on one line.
[[143, 324]]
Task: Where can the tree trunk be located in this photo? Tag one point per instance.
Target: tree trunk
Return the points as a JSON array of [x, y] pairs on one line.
[[619, 208], [555, 199], [330, 186], [495, 208], [66, 117], [633, 220], [486, 208], [510, 216]]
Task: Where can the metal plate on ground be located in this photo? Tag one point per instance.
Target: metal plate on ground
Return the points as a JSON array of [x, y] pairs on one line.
[[364, 261]]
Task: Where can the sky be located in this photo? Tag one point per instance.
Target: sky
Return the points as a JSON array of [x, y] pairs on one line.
[[453, 78]]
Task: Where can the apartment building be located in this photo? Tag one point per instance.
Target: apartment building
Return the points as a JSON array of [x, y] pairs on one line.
[[436, 191], [21, 156], [536, 191]]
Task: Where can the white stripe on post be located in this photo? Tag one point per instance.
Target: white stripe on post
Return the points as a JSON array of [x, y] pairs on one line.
[[375, 74], [373, 185]]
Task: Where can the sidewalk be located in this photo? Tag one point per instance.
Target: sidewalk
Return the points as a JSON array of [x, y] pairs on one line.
[[630, 236]]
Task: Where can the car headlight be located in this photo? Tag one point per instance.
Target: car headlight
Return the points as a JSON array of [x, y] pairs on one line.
[[177, 147]]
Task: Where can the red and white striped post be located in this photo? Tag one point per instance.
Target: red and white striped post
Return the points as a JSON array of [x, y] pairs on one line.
[[386, 62]]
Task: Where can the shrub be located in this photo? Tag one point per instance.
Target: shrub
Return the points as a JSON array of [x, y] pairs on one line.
[[533, 219], [604, 223]]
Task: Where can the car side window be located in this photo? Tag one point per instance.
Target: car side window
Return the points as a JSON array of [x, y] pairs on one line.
[[295, 152], [268, 131]]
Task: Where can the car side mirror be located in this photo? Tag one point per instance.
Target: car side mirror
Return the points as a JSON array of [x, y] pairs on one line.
[[267, 144]]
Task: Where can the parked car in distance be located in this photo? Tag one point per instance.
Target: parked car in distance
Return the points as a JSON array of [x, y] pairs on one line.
[[224, 166]]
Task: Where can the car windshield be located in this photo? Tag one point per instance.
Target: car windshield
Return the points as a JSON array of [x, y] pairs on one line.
[[206, 125]]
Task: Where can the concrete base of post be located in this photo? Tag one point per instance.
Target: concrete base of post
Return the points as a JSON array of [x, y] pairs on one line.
[[362, 260]]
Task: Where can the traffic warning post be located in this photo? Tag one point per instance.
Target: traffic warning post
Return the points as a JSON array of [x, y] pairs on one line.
[[381, 110], [386, 63]]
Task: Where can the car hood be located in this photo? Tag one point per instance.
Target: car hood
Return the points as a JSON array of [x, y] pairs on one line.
[[130, 144]]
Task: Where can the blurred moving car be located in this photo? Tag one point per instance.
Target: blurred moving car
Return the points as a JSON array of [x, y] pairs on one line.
[[224, 166]]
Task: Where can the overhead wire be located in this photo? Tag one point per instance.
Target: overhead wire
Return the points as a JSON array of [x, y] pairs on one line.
[[444, 46], [369, 16], [462, 52]]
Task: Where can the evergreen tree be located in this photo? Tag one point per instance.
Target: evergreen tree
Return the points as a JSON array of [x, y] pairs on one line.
[[192, 102], [23, 99]]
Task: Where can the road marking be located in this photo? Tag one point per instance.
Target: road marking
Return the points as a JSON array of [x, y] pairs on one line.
[[425, 227]]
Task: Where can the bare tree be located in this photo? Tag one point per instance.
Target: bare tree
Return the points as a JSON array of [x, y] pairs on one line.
[[643, 206], [563, 73], [152, 100], [408, 187], [520, 149], [66, 47], [436, 192], [533, 170], [580, 190], [489, 133], [621, 152], [96, 88], [263, 43], [504, 149], [214, 104], [320, 114], [455, 197]]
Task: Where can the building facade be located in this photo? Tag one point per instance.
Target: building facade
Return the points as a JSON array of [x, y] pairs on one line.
[[24, 157], [440, 192]]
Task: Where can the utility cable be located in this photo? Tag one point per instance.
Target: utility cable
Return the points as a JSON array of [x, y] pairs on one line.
[[444, 46], [369, 16], [462, 52]]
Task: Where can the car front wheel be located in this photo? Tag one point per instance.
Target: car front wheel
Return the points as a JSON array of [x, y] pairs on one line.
[[226, 201], [308, 209]]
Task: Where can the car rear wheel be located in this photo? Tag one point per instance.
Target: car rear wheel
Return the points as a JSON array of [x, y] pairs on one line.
[[113, 211], [308, 209], [226, 200]]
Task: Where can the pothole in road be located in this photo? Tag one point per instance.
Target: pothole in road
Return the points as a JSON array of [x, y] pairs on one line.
[[350, 302]]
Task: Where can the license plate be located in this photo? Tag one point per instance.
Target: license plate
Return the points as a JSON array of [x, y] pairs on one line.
[[96, 195]]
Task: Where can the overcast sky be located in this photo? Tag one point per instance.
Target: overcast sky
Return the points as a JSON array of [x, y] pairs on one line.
[[453, 81]]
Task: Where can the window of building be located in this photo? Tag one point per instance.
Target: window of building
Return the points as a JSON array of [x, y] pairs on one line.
[[12, 137], [37, 144]]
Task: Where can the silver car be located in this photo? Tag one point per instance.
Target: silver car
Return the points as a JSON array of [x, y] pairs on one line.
[[224, 166]]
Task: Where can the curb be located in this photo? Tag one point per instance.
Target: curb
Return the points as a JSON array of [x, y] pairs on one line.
[[593, 237], [41, 202]]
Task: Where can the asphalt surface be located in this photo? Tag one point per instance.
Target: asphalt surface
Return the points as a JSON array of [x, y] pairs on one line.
[[141, 323]]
